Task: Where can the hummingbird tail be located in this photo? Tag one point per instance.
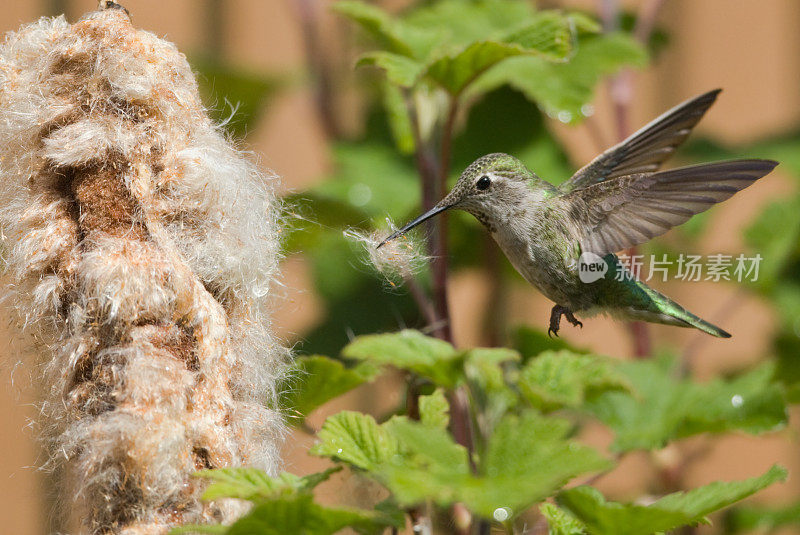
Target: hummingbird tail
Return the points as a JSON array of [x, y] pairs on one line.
[[662, 309], [703, 325]]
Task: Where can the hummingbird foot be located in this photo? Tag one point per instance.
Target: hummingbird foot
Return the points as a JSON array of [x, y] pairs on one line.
[[555, 319]]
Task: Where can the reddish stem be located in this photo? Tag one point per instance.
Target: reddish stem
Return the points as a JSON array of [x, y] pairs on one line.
[[421, 299], [434, 176], [440, 249], [621, 91], [308, 14]]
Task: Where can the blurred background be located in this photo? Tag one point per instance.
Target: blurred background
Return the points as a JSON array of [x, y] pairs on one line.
[[281, 72]]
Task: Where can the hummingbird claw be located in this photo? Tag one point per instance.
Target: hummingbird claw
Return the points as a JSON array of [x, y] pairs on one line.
[[555, 319], [572, 319]]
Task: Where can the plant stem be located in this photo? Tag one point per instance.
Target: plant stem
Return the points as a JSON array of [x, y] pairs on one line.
[[412, 397], [319, 67], [56, 7], [647, 20], [440, 259], [495, 317], [621, 91], [215, 29], [434, 176], [421, 299], [461, 421], [459, 403], [431, 169]]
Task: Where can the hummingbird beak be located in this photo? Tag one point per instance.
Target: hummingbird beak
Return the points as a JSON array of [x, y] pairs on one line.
[[438, 209]]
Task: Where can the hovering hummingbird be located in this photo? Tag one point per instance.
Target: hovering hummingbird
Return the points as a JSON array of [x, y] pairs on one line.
[[562, 239]]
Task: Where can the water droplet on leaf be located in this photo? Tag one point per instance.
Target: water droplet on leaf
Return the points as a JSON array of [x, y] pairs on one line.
[[501, 514]]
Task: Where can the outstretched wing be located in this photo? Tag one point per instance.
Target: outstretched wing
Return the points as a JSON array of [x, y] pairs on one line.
[[648, 148], [629, 210]]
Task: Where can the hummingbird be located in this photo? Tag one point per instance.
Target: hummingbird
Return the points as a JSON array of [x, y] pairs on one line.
[[563, 239]]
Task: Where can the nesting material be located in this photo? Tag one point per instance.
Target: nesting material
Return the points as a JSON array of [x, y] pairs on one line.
[[397, 260], [142, 248]]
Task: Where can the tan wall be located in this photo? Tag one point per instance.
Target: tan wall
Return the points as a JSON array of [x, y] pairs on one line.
[[749, 47]]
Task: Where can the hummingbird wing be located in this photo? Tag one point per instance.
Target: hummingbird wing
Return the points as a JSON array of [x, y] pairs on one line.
[[626, 211], [645, 150]]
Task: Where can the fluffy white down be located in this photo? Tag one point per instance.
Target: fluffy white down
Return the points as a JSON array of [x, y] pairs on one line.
[[143, 250], [398, 260]]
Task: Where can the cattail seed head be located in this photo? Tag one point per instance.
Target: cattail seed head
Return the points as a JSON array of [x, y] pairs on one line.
[[142, 249]]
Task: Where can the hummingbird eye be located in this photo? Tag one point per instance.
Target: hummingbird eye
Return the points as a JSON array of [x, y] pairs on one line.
[[483, 183]]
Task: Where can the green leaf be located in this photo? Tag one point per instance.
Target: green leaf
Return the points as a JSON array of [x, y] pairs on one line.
[[560, 522], [584, 23], [409, 350], [559, 379], [400, 70], [787, 366], [564, 90], [670, 512], [434, 468], [393, 34], [610, 518], [356, 439], [649, 420], [528, 459], [254, 484], [762, 519], [548, 35], [430, 446], [664, 408], [392, 512], [714, 496], [487, 364], [786, 299], [530, 342], [434, 410], [397, 114], [454, 73], [462, 23], [452, 43], [299, 514], [485, 372], [749, 402], [317, 380], [778, 249]]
